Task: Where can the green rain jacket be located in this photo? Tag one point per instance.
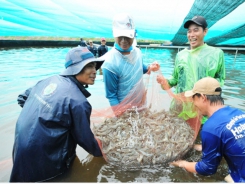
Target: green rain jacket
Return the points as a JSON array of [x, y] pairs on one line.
[[192, 65]]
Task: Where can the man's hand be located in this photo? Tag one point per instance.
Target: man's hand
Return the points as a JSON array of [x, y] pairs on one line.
[[198, 147], [164, 83], [161, 79], [188, 166], [153, 67], [179, 163]]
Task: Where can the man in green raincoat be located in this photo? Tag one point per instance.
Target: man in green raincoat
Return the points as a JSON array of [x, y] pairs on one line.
[[191, 64]]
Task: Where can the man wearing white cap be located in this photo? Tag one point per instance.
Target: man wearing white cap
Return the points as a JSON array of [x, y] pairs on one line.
[[223, 134], [123, 68], [54, 119]]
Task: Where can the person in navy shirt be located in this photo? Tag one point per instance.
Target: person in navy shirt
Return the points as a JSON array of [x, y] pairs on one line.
[[102, 49], [223, 134], [55, 119]]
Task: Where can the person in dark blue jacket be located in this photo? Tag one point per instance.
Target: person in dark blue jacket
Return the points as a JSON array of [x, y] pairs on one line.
[[102, 49], [54, 119], [223, 134]]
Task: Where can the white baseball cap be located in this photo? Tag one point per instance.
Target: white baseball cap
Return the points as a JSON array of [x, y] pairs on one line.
[[123, 25]]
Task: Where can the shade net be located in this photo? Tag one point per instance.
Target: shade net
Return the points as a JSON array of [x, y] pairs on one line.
[[212, 10], [60, 18], [238, 32], [150, 126]]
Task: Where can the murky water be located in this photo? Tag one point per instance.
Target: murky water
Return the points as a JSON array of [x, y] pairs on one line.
[[23, 67]]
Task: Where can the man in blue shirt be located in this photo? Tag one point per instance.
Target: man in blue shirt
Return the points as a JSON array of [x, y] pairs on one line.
[[223, 134]]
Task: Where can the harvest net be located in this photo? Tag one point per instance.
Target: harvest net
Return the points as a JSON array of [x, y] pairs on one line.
[[150, 126]]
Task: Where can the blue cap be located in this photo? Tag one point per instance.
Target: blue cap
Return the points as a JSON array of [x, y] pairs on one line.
[[77, 58]]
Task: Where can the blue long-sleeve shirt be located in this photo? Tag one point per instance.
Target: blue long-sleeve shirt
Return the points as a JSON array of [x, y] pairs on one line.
[[223, 135], [121, 73]]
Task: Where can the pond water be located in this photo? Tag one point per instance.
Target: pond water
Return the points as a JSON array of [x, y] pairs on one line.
[[23, 67]]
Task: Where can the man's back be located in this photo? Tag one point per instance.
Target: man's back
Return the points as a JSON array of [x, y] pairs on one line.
[[83, 43], [224, 135]]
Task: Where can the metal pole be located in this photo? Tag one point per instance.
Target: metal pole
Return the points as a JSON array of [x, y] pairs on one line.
[[236, 55]]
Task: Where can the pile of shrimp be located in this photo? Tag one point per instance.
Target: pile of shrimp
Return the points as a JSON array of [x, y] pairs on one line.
[[144, 138]]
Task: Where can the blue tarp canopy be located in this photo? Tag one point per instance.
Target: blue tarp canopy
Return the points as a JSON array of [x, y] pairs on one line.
[[154, 20]]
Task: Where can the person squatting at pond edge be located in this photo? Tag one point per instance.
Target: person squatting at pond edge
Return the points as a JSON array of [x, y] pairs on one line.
[[223, 134], [54, 119], [123, 67], [195, 62]]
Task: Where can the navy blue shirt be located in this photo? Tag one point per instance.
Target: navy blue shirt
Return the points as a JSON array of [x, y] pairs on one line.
[[102, 49]]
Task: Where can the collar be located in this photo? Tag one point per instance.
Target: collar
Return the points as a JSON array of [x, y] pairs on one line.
[[201, 46], [122, 50], [79, 85]]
